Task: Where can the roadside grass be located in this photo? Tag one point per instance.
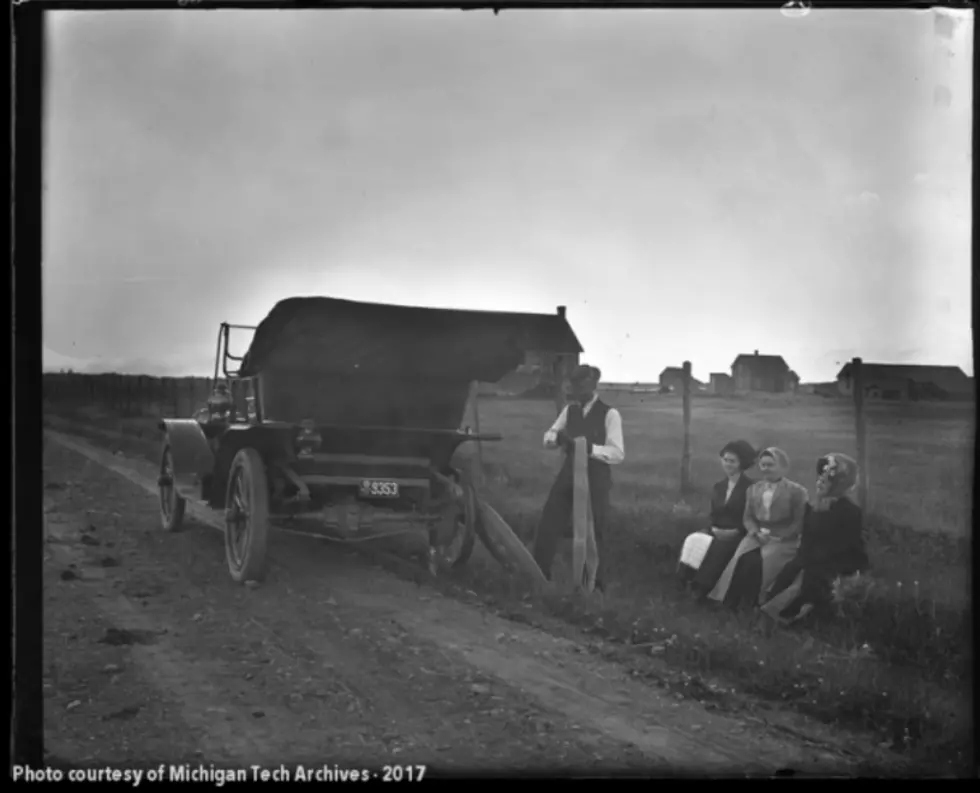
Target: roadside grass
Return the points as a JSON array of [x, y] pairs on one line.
[[896, 661], [890, 663]]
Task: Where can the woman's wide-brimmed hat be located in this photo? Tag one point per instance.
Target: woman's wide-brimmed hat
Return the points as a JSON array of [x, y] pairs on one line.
[[840, 471]]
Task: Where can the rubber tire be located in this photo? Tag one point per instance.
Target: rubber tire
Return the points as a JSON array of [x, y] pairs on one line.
[[175, 522], [255, 565]]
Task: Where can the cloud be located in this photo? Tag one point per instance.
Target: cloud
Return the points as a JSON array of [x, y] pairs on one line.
[[864, 200]]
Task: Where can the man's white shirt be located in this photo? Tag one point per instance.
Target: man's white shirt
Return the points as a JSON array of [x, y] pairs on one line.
[[612, 452]]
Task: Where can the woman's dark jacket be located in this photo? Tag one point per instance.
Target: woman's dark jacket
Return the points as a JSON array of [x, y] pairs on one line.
[[833, 541]]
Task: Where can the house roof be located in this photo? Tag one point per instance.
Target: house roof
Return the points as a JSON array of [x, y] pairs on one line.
[[763, 365], [721, 374], [948, 377], [344, 335]]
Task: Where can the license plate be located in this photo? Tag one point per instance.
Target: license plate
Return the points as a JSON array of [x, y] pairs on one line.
[[375, 488]]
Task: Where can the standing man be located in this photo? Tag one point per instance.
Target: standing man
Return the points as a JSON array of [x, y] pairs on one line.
[[589, 417]]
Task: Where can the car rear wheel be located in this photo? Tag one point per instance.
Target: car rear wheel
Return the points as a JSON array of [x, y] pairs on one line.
[[172, 505], [247, 517], [453, 547]]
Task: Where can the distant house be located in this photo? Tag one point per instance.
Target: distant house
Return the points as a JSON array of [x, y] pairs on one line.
[[721, 384], [763, 373], [908, 381], [673, 378]]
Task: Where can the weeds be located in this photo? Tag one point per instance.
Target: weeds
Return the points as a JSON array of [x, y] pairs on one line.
[[894, 660]]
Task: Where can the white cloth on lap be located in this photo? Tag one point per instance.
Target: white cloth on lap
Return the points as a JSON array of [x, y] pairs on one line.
[[695, 547]]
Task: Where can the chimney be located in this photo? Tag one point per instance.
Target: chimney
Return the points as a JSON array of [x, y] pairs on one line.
[[757, 353], [561, 311]]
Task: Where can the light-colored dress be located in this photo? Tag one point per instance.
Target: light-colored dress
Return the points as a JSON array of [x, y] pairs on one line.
[[778, 507]]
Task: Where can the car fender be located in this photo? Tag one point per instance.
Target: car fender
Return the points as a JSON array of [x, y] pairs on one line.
[[192, 456]]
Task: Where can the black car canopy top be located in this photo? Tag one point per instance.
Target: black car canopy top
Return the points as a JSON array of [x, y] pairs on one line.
[[335, 336]]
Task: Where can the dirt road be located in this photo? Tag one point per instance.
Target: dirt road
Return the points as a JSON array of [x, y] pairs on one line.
[[153, 655]]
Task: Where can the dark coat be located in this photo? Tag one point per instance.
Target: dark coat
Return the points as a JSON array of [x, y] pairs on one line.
[[729, 515], [833, 541]]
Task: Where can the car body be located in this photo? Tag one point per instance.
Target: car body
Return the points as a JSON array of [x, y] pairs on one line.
[[342, 419]]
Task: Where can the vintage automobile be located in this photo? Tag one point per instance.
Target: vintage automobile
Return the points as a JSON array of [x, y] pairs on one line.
[[342, 420]]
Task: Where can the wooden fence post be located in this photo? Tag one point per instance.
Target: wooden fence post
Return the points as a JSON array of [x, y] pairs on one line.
[[686, 454], [860, 430]]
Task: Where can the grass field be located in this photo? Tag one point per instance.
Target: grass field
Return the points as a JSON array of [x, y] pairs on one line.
[[920, 456], [920, 460], [897, 660]]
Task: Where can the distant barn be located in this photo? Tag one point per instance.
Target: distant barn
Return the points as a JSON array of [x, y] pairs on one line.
[[768, 373], [908, 382], [673, 378]]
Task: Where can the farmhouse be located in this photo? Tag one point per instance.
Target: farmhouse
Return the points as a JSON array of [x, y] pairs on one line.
[[763, 373], [908, 381], [721, 384], [551, 351], [673, 378]]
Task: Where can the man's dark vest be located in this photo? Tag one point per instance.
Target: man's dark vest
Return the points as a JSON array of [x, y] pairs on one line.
[[593, 428]]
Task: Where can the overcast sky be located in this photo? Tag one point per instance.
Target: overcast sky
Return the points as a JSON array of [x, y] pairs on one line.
[[691, 184]]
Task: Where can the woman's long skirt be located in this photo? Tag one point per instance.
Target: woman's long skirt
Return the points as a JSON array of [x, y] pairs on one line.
[[752, 581], [810, 586], [775, 605], [715, 561]]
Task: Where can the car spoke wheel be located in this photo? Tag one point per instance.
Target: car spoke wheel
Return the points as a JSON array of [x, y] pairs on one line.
[[454, 550], [172, 505], [238, 521], [247, 517]]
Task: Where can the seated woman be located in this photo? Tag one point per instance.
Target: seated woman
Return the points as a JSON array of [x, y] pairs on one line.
[[832, 544], [774, 509], [705, 554]]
